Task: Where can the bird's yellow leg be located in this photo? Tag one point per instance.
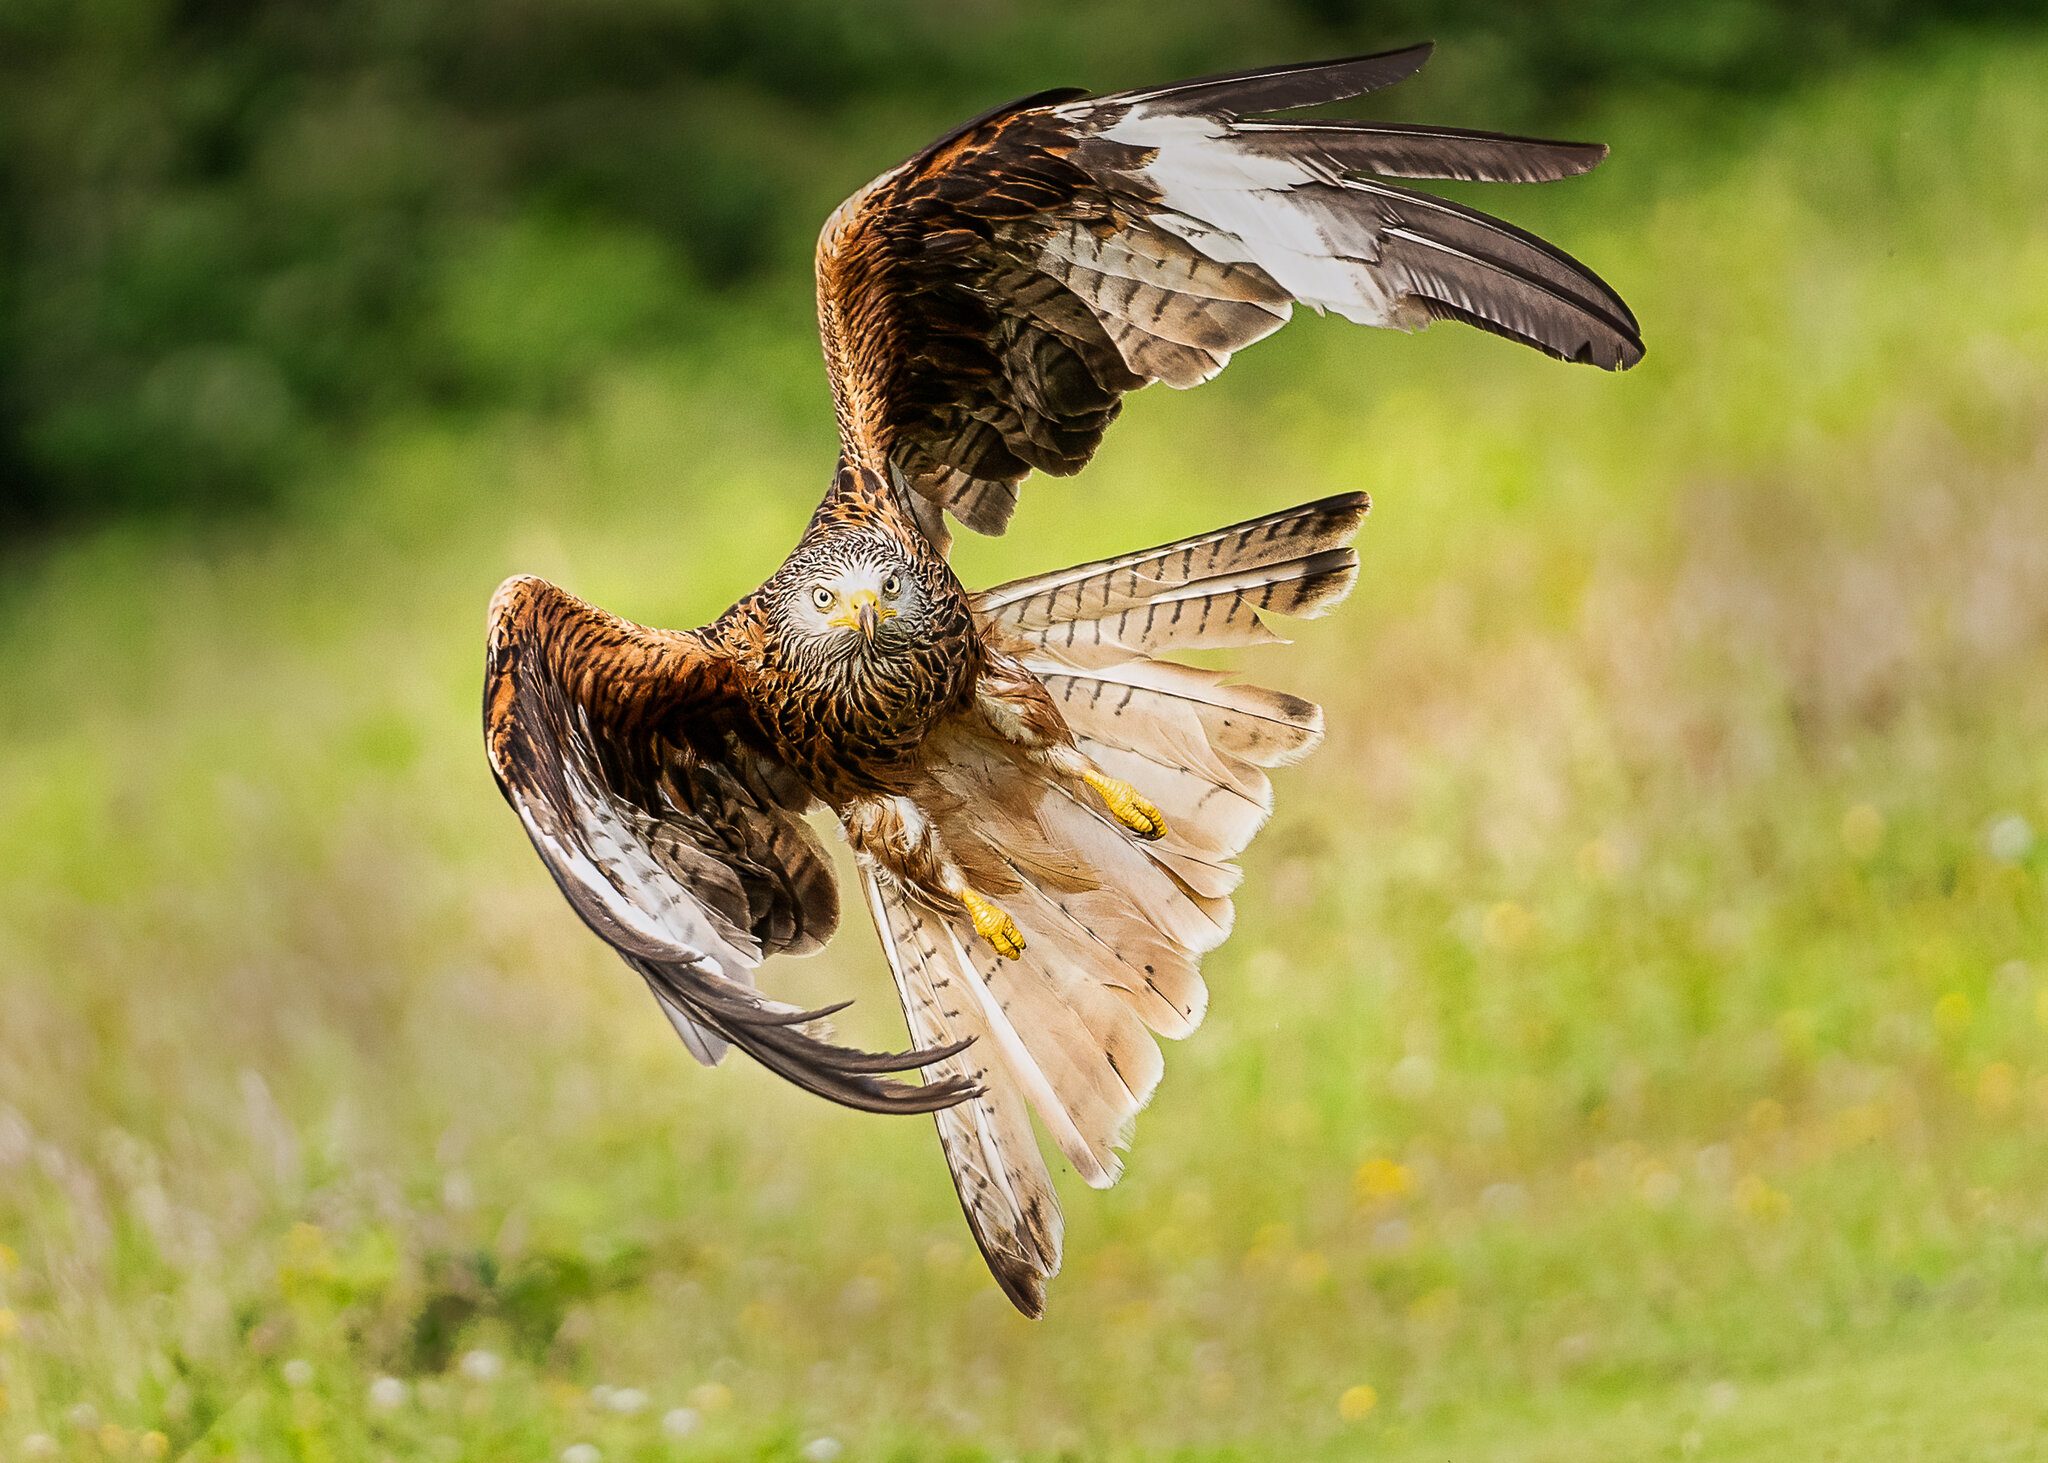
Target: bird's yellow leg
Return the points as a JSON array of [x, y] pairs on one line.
[[1015, 706], [1125, 804], [992, 924], [895, 833]]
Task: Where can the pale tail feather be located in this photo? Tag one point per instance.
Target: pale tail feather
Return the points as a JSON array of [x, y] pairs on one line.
[[997, 1169], [1256, 726], [1069, 1017]]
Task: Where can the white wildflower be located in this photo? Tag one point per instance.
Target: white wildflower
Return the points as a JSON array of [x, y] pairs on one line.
[[1413, 1076], [2009, 838]]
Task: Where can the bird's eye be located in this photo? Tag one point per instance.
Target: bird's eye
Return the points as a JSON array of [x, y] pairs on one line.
[[891, 587], [822, 597]]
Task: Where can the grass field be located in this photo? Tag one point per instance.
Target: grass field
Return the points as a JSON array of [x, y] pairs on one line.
[[1635, 1041]]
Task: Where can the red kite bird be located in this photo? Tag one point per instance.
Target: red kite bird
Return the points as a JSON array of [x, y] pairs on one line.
[[1044, 810]]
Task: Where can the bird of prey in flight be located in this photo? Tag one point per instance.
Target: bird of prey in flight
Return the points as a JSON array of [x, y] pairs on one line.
[[1044, 808]]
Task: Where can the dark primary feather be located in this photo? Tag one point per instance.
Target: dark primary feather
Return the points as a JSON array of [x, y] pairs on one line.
[[986, 306], [1403, 150], [1286, 88]]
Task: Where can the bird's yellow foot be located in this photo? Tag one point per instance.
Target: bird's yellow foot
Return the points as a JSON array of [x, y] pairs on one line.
[[1126, 806], [993, 925]]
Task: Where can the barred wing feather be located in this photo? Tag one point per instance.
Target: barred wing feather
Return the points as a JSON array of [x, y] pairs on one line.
[[986, 306]]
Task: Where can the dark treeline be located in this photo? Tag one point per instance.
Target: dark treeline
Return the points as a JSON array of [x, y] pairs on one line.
[[229, 229]]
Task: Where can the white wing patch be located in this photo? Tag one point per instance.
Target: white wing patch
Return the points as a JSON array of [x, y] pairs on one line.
[[1236, 207]]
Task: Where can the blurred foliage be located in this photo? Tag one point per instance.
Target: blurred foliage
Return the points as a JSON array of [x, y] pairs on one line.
[[1634, 1041], [231, 230]]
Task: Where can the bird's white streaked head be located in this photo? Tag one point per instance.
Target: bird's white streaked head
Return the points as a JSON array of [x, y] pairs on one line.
[[855, 593]]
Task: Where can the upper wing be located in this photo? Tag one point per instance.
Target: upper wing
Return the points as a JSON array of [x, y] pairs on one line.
[[685, 850], [986, 305]]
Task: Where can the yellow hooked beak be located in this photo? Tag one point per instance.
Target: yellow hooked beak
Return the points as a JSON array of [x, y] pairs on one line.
[[862, 610]]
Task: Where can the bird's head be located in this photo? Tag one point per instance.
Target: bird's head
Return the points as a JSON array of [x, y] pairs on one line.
[[854, 594]]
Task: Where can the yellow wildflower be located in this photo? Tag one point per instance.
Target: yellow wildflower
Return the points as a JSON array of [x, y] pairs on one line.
[[1756, 1199], [1381, 1179], [1356, 1403], [1952, 1013]]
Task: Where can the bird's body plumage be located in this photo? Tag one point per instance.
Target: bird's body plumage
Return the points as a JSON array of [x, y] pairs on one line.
[[993, 758]]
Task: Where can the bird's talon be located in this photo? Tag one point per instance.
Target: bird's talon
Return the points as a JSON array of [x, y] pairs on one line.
[[1126, 806], [993, 925]]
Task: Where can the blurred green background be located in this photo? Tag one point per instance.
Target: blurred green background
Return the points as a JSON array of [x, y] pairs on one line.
[[1635, 1042]]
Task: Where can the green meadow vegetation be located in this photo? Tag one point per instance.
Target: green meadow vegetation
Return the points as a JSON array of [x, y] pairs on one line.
[[1634, 1044]]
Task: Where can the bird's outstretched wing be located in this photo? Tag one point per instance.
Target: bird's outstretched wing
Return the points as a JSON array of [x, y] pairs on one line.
[[684, 849], [986, 305]]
